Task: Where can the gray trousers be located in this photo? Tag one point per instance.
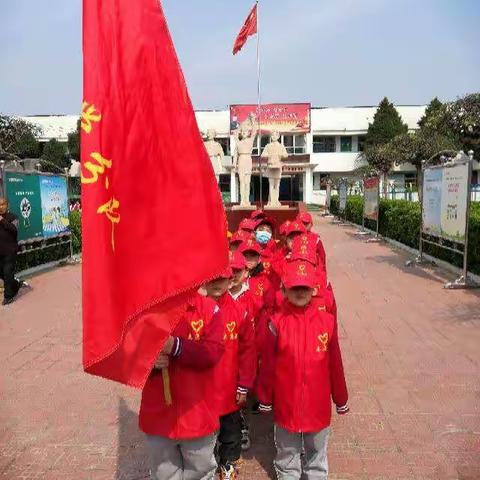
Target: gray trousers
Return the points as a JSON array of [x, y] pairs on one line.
[[182, 459], [290, 446]]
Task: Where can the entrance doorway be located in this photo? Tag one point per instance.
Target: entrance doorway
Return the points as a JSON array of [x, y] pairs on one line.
[[291, 189]]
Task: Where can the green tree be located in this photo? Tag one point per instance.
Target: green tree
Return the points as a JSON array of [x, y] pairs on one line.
[[55, 156], [416, 147], [463, 117], [387, 124], [18, 138], [74, 143]]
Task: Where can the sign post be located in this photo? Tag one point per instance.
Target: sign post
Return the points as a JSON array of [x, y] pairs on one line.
[[40, 201], [445, 210], [371, 204]]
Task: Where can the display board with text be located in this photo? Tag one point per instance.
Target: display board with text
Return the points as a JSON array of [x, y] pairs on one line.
[[281, 117], [371, 189], [342, 192], [445, 199], [40, 202]]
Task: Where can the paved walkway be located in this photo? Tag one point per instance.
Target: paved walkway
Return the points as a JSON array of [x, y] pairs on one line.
[[411, 352]]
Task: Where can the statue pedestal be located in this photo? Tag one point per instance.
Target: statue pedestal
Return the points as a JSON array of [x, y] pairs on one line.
[[286, 211], [276, 207], [250, 208]]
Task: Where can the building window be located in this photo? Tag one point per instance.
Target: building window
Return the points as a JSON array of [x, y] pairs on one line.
[[361, 143], [345, 144], [265, 140], [225, 143], [295, 144], [320, 181], [411, 180], [323, 144]]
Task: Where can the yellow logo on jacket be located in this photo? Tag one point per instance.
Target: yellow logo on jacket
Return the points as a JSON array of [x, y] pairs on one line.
[[197, 327], [230, 331], [323, 342]]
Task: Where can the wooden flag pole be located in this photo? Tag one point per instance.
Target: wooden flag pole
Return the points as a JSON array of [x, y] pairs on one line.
[[166, 386]]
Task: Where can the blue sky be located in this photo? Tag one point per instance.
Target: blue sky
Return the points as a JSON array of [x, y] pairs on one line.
[[327, 52]]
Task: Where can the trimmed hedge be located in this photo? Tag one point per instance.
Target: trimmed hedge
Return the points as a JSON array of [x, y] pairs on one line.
[[52, 254], [400, 220]]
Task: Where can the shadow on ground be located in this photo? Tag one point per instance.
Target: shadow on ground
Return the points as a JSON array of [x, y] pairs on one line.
[[132, 454]]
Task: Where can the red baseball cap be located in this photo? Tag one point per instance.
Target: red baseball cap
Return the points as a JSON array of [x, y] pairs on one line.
[[237, 261], [299, 274], [304, 217], [295, 227], [247, 224], [304, 247], [257, 214], [227, 273], [265, 221], [283, 227], [240, 236], [251, 245]]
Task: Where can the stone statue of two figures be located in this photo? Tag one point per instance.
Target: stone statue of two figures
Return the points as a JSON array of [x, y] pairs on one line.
[[274, 152]]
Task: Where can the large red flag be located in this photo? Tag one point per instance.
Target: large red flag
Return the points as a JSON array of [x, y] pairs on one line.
[[249, 28], [154, 226]]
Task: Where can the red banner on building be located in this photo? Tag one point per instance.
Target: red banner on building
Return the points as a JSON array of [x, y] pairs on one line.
[[283, 117]]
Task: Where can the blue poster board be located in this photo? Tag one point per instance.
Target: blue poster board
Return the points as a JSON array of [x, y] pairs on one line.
[[55, 215]]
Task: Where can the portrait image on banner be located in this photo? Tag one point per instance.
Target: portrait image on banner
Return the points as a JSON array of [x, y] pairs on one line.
[[432, 201], [54, 195], [342, 192], [23, 195], [371, 188], [280, 117]]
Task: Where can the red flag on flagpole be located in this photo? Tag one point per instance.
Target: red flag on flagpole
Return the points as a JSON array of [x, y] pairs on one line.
[[154, 227], [249, 28]]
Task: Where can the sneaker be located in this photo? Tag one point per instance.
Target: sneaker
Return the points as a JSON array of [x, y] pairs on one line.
[[228, 472], [246, 442]]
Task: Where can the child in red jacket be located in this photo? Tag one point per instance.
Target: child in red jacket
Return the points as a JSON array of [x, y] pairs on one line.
[[307, 220], [301, 372], [181, 423], [234, 373]]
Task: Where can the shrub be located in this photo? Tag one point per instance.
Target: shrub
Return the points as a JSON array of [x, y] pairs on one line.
[[53, 253], [400, 220]]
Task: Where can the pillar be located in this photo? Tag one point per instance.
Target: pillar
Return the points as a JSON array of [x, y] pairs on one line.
[[233, 186], [307, 185]]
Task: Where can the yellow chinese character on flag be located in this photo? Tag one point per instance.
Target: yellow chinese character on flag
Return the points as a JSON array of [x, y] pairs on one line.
[[110, 209], [96, 169], [89, 114]]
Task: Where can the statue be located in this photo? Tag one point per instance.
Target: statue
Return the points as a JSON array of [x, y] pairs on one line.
[[275, 153], [215, 152], [242, 158], [74, 168]]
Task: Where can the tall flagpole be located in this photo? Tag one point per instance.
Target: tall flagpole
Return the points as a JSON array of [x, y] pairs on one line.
[[259, 102]]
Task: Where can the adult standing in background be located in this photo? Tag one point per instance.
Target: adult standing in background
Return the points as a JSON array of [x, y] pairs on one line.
[[8, 252]]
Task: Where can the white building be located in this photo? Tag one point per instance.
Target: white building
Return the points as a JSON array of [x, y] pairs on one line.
[[332, 148]]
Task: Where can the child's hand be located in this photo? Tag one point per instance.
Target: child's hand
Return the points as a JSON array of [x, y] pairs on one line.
[[241, 398], [167, 348], [162, 361]]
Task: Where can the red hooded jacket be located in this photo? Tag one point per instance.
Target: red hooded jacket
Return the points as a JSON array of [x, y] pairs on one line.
[[198, 348], [236, 371], [302, 368]]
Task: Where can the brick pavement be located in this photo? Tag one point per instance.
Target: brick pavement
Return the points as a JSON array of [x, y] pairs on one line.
[[411, 352]]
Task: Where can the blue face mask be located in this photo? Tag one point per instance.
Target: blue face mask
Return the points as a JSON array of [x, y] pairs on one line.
[[263, 237]]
